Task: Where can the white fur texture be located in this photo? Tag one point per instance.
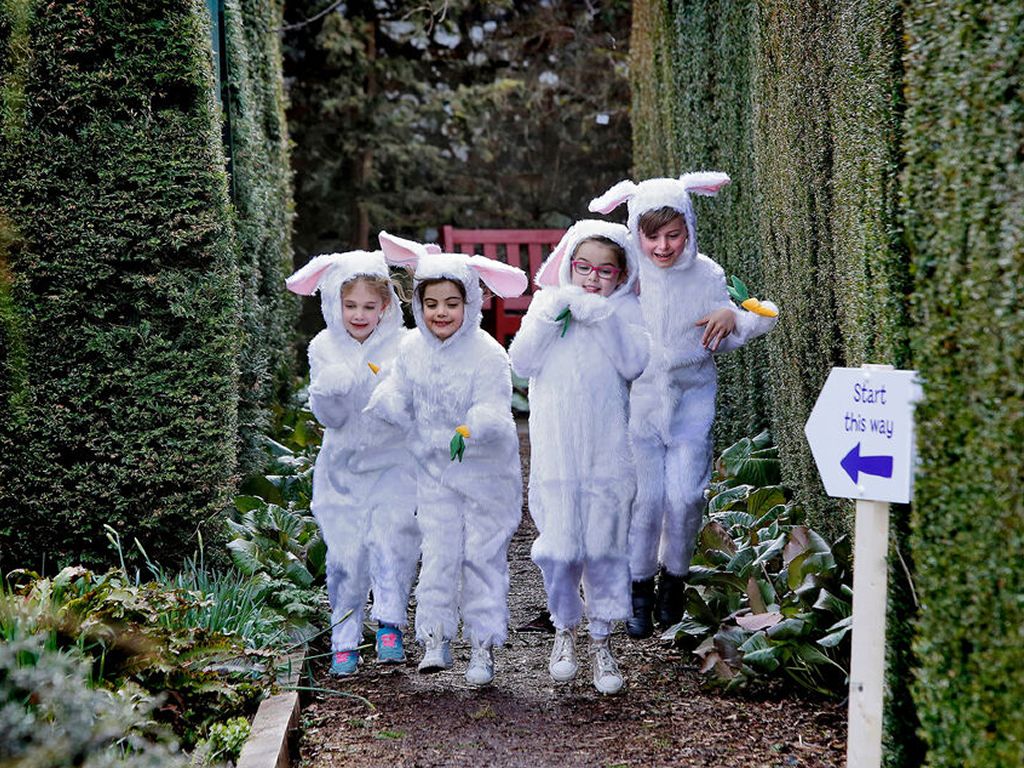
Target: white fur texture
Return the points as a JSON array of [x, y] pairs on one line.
[[364, 494], [467, 511], [673, 402], [582, 479]]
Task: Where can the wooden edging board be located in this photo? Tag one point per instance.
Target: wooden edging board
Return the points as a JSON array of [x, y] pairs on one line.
[[267, 745]]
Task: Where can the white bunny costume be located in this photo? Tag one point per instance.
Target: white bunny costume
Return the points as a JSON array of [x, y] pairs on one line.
[[467, 510], [673, 402], [364, 492], [582, 479]]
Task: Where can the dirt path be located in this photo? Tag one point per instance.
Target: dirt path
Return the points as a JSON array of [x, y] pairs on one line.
[[664, 717]]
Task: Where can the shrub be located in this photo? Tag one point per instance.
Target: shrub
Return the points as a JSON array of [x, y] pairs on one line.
[[50, 717], [122, 296], [765, 595]]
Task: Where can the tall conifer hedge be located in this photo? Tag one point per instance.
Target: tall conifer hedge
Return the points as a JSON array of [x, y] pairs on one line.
[[885, 145], [964, 208], [261, 184], [119, 282]]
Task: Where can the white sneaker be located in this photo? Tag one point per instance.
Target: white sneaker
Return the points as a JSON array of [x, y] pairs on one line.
[[437, 652], [607, 678], [481, 665], [563, 664]]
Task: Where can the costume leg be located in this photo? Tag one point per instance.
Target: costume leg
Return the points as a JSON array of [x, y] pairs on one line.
[[394, 544], [648, 509], [440, 517], [688, 472], [485, 576], [606, 587], [346, 589], [562, 585]]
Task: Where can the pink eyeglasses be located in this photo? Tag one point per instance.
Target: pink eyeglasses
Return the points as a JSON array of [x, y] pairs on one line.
[[584, 268]]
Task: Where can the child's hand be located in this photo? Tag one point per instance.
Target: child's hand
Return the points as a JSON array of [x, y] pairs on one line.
[[717, 326]]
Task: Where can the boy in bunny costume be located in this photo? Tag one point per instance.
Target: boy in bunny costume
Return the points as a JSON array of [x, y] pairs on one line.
[[452, 387], [364, 493], [686, 307], [582, 479]]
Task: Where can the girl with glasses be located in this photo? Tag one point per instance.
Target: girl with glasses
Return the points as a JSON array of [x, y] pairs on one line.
[[582, 341]]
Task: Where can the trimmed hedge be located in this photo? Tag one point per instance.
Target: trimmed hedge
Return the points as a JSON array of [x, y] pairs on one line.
[[264, 208], [713, 130], [120, 303], [964, 213], [886, 172]]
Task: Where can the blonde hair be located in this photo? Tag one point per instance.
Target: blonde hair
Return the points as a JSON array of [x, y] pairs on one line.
[[380, 284]]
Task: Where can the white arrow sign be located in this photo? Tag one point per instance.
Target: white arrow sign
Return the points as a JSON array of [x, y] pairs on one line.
[[861, 433]]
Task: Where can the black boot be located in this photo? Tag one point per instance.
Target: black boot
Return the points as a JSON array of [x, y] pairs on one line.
[[641, 624], [671, 602]]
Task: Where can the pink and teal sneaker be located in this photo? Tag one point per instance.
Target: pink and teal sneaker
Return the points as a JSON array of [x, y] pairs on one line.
[[389, 645], [344, 663]]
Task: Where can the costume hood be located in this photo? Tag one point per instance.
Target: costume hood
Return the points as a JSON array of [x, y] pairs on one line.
[[429, 263], [328, 272], [557, 268], [659, 193]]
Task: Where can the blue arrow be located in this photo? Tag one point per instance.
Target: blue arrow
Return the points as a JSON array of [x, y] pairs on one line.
[[853, 462]]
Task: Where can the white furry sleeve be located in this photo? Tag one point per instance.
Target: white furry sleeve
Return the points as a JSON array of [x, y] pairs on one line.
[[629, 343], [330, 384], [391, 400], [491, 412], [539, 330]]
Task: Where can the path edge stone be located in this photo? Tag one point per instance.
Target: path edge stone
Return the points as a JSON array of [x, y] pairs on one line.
[[276, 717]]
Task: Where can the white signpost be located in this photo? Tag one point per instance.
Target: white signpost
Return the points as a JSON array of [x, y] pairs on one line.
[[861, 433]]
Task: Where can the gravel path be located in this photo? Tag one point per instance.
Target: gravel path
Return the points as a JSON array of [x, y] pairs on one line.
[[664, 717]]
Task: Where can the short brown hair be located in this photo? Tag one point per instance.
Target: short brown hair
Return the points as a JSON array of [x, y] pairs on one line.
[[656, 218]]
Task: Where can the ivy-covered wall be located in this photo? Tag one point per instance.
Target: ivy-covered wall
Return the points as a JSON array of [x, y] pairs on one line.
[[963, 199], [880, 142], [121, 291], [261, 179]]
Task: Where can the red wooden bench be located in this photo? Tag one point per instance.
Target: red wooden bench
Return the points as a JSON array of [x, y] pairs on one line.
[[523, 248]]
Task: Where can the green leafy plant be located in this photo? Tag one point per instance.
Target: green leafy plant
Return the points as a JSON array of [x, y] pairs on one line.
[[520, 394], [765, 595], [51, 716]]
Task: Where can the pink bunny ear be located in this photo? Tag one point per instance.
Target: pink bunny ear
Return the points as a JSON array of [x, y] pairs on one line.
[[548, 274], [433, 248], [614, 197], [306, 279], [504, 279], [399, 251], [704, 182]]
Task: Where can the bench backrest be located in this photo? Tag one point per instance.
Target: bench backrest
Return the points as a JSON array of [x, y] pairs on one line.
[[523, 248]]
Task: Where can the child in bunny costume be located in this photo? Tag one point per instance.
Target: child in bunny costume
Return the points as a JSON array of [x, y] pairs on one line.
[[452, 387], [364, 493], [582, 479], [687, 309]]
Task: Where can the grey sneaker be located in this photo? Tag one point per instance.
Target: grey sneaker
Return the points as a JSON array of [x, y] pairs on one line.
[[481, 664], [437, 652], [563, 664], [607, 678]]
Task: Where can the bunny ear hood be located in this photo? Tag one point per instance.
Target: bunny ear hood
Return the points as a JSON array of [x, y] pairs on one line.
[[652, 194], [329, 272], [431, 264], [557, 269]]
